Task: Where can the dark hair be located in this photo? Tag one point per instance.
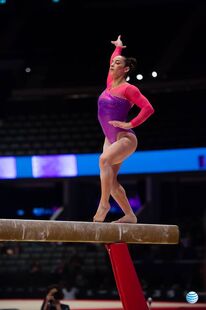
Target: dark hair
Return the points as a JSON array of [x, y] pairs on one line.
[[57, 295], [130, 62]]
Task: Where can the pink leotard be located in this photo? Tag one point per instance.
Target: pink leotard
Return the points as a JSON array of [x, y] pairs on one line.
[[115, 103]]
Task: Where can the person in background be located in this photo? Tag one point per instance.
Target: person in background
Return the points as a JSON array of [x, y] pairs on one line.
[[53, 299]]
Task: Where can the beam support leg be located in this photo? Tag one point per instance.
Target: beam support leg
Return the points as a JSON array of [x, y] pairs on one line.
[[126, 278]]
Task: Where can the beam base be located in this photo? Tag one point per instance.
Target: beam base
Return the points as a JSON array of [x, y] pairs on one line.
[[127, 282]]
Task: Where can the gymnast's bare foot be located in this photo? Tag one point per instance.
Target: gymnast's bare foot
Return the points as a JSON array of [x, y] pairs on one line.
[[127, 218], [101, 213]]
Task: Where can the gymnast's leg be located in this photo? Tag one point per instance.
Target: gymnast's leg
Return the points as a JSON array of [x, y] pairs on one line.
[[103, 209], [112, 155], [119, 194]]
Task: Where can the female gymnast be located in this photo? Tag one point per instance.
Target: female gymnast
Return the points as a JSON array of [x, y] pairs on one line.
[[120, 140]]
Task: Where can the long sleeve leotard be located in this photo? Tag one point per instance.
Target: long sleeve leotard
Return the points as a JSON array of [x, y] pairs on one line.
[[115, 103]]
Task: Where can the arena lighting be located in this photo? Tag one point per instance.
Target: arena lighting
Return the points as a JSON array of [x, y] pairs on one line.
[[139, 76], [28, 69], [154, 74], [20, 212], [127, 79], [2, 1], [55, 1]]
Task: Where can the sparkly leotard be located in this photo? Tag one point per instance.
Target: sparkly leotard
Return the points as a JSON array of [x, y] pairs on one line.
[[112, 108], [115, 103]]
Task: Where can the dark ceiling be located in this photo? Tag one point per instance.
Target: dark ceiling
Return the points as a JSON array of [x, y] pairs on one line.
[[67, 44]]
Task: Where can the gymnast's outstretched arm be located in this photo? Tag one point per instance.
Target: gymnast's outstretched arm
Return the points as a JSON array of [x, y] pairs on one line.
[[118, 50]]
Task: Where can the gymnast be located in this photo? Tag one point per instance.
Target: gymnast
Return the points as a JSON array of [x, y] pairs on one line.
[[120, 141]]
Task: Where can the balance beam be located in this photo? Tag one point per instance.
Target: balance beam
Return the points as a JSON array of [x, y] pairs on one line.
[[90, 232]]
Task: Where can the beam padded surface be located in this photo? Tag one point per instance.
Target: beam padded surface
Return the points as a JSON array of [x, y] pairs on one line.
[[71, 231]]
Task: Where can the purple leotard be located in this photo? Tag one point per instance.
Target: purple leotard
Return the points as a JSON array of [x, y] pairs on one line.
[[112, 108]]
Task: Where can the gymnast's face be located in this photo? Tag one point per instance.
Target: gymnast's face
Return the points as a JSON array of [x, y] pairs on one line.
[[117, 67]]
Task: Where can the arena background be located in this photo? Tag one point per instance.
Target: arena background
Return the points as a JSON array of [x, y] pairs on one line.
[[53, 65]]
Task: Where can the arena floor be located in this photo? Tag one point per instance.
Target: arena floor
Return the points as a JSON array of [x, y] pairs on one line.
[[29, 304]]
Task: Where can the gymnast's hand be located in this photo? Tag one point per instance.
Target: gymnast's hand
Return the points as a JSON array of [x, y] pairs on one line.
[[119, 124], [118, 42]]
